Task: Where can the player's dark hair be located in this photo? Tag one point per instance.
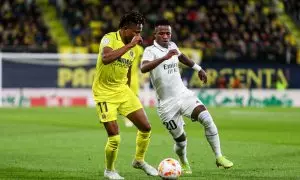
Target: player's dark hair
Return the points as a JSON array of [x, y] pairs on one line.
[[162, 22], [132, 17]]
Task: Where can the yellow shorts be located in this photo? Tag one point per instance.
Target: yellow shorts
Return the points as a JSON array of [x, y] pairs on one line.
[[127, 103]]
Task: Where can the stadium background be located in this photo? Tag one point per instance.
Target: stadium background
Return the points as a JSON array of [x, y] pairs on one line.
[[249, 48]]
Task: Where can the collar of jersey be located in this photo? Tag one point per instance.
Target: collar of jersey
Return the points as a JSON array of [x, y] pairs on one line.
[[159, 46], [118, 36]]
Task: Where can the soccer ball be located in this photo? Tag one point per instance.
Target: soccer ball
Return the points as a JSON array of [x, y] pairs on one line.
[[169, 168]]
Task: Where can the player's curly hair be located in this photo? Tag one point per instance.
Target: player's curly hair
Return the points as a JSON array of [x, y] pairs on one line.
[[132, 17]]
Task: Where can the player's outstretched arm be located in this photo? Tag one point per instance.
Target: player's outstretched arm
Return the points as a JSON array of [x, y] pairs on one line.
[[201, 73], [185, 60], [109, 55], [149, 65]]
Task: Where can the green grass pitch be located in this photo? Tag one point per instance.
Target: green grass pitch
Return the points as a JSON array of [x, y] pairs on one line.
[[68, 143]]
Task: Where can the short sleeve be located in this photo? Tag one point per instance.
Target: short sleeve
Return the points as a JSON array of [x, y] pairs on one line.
[[174, 46], [148, 55], [107, 41]]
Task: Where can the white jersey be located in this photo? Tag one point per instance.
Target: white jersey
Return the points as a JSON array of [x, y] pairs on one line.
[[166, 77]]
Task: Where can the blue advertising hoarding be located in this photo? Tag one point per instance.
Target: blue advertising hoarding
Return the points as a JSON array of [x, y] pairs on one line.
[[251, 75]]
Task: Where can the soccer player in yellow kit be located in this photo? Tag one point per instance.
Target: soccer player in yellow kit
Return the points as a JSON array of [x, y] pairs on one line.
[[135, 77], [113, 95]]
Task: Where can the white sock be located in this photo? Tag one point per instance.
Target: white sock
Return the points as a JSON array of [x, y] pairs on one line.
[[180, 150], [211, 132]]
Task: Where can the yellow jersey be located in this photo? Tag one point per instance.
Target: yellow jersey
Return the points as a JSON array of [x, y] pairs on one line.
[[135, 70], [111, 80]]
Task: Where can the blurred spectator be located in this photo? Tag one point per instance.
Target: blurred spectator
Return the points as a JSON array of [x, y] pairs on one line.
[[235, 83], [279, 84], [22, 28], [221, 82]]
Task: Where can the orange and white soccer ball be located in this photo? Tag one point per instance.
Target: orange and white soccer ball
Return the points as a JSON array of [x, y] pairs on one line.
[[169, 168]]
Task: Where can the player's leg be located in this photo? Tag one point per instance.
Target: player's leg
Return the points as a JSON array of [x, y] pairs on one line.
[[193, 108], [175, 126], [134, 111], [180, 148], [108, 114], [140, 120], [111, 149], [201, 114]]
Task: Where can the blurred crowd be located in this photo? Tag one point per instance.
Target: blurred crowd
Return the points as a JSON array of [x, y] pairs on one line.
[[224, 29], [22, 27], [233, 30]]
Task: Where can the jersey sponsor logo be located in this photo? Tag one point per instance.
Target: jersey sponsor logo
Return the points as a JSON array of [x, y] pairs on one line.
[[122, 62], [125, 61], [169, 66]]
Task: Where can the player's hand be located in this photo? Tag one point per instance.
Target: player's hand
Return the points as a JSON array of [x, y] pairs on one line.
[[137, 39], [202, 76], [171, 53]]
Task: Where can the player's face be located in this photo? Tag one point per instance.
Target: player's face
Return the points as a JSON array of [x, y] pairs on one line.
[[163, 35], [131, 31]]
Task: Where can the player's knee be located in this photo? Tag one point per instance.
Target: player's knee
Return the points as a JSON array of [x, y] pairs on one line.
[[205, 118], [181, 138], [144, 134], [181, 144], [197, 111], [146, 128], [207, 121], [114, 142]]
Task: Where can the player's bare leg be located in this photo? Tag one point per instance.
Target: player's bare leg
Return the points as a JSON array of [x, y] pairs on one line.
[[140, 120], [111, 150], [211, 132]]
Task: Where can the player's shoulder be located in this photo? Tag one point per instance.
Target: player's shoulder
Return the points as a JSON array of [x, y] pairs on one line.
[[110, 35], [172, 44], [138, 49], [149, 48], [108, 38]]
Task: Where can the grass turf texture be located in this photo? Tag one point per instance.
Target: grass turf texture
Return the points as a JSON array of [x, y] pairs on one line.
[[68, 143]]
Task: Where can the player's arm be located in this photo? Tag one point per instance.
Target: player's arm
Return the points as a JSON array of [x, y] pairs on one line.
[[185, 60], [201, 73], [109, 55], [148, 65]]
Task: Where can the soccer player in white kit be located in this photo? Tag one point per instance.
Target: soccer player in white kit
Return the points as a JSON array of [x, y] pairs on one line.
[[174, 99]]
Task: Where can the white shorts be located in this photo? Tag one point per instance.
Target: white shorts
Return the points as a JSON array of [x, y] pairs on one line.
[[170, 111]]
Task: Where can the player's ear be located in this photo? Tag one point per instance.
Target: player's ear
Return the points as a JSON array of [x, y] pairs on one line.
[[154, 32]]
